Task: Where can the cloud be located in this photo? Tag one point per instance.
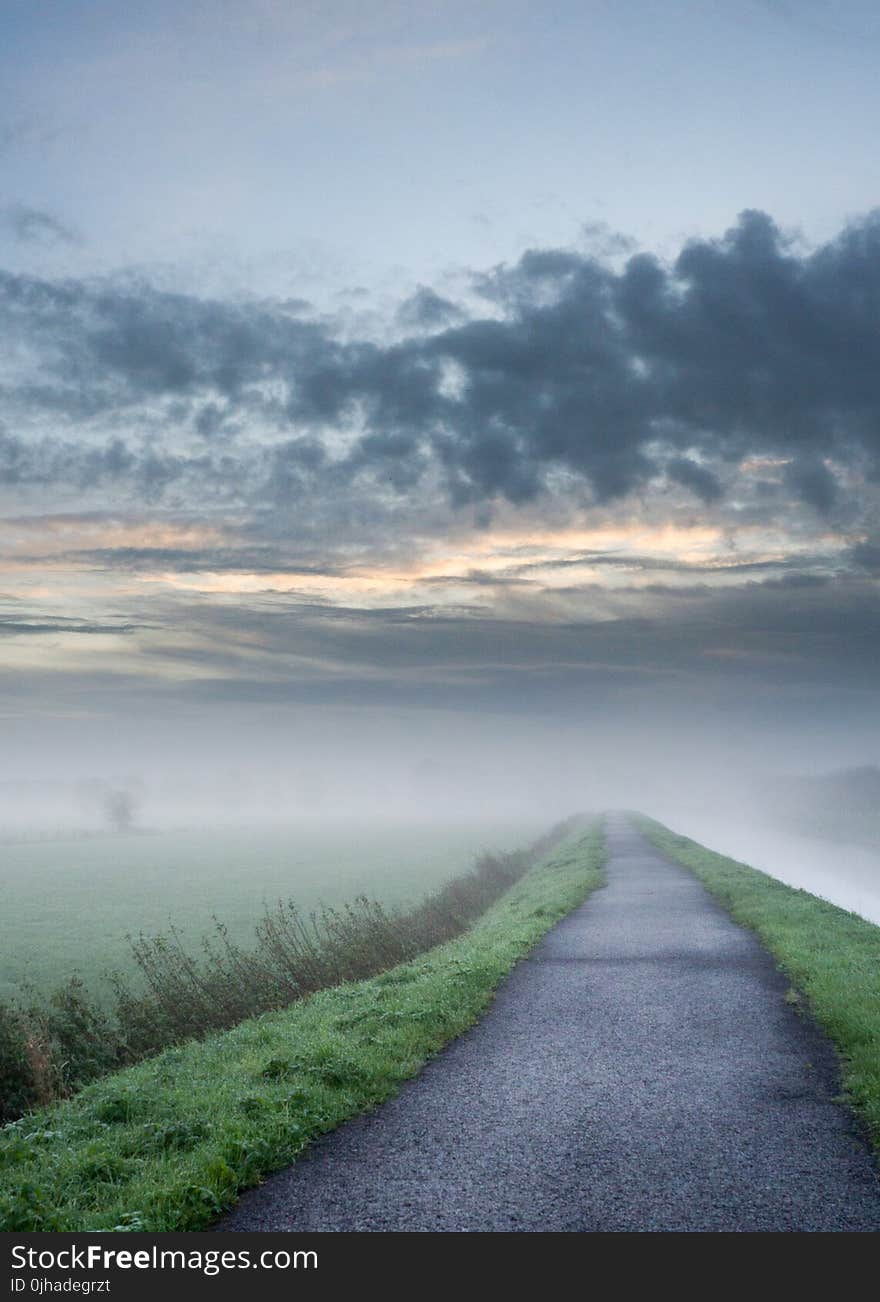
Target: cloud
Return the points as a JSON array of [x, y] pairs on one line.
[[252, 560], [787, 635], [686, 471], [814, 482], [39, 626], [427, 310], [867, 555], [606, 381], [34, 226]]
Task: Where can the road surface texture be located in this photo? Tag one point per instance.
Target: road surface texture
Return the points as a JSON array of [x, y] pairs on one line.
[[641, 1070]]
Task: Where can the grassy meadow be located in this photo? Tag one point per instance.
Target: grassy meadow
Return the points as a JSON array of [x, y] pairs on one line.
[[68, 904], [168, 1143]]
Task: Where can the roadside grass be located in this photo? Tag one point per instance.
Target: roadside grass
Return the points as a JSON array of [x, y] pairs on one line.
[[52, 1048], [832, 957], [169, 1143]]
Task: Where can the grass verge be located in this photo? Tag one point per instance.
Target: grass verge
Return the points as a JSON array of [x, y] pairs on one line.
[[169, 1143], [52, 1048], [832, 957]]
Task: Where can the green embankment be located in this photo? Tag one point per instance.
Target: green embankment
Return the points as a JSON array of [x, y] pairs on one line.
[[831, 957], [166, 1145]]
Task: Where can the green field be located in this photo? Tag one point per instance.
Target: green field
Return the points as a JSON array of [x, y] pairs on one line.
[[67, 905], [167, 1144]]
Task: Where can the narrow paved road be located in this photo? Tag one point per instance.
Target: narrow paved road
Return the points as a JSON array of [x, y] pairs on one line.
[[640, 1071]]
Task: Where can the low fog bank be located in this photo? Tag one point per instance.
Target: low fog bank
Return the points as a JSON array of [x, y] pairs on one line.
[[458, 779], [803, 807], [844, 873], [819, 831]]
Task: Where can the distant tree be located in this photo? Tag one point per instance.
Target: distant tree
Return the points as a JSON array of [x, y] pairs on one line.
[[119, 807]]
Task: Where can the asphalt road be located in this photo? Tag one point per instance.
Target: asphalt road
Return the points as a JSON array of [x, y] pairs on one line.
[[640, 1071]]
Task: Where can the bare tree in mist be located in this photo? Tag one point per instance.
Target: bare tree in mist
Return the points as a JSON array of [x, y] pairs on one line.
[[120, 808]]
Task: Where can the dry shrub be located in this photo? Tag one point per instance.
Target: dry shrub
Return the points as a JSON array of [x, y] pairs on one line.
[[53, 1050]]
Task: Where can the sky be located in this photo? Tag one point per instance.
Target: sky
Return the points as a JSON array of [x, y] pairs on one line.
[[462, 394]]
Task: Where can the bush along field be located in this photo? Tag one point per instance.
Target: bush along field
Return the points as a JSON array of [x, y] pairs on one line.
[[52, 1047], [831, 957], [136, 882], [167, 1144]]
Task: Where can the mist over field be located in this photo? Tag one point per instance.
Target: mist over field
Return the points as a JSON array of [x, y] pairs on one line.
[[382, 447], [807, 813]]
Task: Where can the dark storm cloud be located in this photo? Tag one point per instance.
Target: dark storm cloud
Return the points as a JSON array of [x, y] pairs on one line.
[[119, 344], [786, 635], [20, 627], [743, 345], [427, 310], [814, 482], [697, 478], [146, 469], [867, 555], [34, 226], [255, 560], [49, 460]]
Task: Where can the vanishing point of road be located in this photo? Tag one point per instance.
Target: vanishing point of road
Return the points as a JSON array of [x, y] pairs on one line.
[[640, 1070]]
